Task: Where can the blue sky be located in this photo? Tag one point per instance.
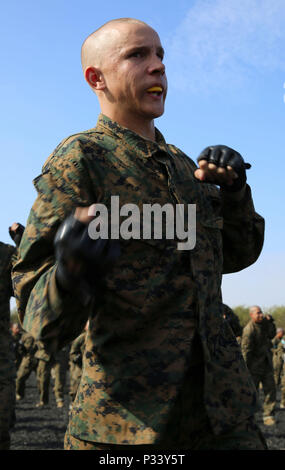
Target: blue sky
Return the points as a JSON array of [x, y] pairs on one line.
[[225, 61]]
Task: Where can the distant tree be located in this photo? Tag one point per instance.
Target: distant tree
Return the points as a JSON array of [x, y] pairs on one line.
[[242, 312], [277, 312]]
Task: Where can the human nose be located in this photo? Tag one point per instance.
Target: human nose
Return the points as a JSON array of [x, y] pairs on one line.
[[156, 65]]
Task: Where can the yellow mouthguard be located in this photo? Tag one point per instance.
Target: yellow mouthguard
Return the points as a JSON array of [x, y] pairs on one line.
[[155, 88]]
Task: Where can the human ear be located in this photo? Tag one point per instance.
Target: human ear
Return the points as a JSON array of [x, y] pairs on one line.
[[94, 78]]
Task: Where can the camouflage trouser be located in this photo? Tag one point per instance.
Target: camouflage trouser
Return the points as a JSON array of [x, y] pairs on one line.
[[188, 425], [18, 361], [75, 373], [28, 364], [7, 410], [283, 387], [278, 367], [279, 377], [59, 380], [59, 366], [266, 378], [43, 379]]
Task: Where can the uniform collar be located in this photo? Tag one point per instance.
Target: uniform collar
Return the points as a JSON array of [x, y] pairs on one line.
[[139, 145]]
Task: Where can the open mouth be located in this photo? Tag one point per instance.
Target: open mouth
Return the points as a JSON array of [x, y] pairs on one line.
[[155, 90]]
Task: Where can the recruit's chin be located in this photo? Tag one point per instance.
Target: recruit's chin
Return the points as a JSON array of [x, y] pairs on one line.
[[151, 114]]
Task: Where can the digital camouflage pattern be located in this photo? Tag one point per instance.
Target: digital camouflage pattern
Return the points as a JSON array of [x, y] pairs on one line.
[[59, 367], [28, 363], [256, 348], [44, 358], [245, 436], [17, 348], [43, 380], [256, 344], [278, 351], [144, 317], [7, 365], [232, 319], [75, 363], [279, 366], [51, 363], [185, 433]]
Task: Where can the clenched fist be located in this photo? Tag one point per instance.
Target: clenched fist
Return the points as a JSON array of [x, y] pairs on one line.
[[223, 166]]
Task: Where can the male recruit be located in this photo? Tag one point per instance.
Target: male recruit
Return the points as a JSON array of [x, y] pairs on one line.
[[161, 367]]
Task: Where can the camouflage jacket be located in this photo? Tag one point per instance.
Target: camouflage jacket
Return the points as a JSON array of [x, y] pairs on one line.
[[139, 338], [278, 350], [42, 352], [17, 346], [77, 350], [28, 343], [7, 366], [256, 345], [232, 319]]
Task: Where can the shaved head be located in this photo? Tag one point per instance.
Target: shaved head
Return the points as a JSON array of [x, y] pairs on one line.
[[96, 45], [254, 308], [122, 62], [256, 314], [280, 332], [15, 328]]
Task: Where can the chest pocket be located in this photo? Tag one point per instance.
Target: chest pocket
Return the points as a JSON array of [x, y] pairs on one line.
[[207, 255], [207, 200]]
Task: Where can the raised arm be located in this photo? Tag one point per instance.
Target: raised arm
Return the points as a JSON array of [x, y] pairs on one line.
[[46, 311], [243, 229]]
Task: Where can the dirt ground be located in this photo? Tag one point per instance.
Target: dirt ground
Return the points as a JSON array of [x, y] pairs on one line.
[[274, 435], [44, 428], [39, 428]]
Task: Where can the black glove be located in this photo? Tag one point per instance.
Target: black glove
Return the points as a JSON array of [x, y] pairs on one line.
[[92, 258], [17, 234], [223, 156]]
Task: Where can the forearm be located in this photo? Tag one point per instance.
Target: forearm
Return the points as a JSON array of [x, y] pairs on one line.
[[243, 231], [47, 312], [247, 346], [52, 315], [271, 330]]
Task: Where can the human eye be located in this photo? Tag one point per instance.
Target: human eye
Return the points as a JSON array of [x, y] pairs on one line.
[[160, 54], [137, 54]]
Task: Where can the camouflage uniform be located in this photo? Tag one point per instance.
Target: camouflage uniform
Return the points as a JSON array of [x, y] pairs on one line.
[[256, 348], [75, 364], [7, 365], [59, 369], [28, 363], [156, 300], [46, 363], [279, 365], [233, 320], [43, 372], [17, 348]]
